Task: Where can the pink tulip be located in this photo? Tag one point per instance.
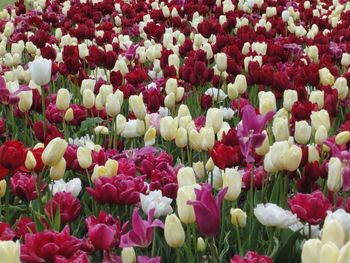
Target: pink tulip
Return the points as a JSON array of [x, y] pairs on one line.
[[144, 259], [207, 210], [143, 230]]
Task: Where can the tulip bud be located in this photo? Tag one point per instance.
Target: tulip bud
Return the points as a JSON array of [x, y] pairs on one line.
[[183, 112], [232, 91], [98, 102], [201, 246], [302, 132], [128, 255], [198, 168], [329, 253], [179, 94], [342, 87], [344, 254], [195, 140], [173, 231], [233, 181], [342, 138], [289, 97], [241, 83], [265, 146], [62, 99], [238, 217], [313, 154], [101, 130], [181, 137], [207, 138], [168, 128], [334, 180], [169, 101], [111, 167], [209, 166], [214, 119], [345, 59], [10, 251], [30, 162], [221, 61], [319, 118], [84, 157], [321, 135], [54, 151], [112, 105], [25, 100], [185, 211], [88, 99], [280, 129], [267, 102], [326, 78], [186, 176], [317, 96], [3, 185], [311, 251], [87, 84], [57, 171], [120, 123], [69, 115], [171, 86], [150, 136]]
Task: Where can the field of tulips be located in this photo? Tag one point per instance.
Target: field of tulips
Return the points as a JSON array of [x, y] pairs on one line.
[[175, 131]]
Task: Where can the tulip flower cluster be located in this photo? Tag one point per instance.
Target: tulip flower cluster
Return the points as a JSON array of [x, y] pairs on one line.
[[175, 131]]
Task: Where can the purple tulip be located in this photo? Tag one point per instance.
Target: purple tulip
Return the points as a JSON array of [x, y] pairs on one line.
[[207, 210], [144, 259], [142, 231], [249, 132]]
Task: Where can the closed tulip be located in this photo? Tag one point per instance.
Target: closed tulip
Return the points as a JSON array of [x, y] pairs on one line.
[[233, 181], [185, 211], [168, 128], [195, 140], [321, 134], [207, 138], [201, 246], [267, 102], [40, 71], [333, 231], [69, 115], [342, 138], [294, 158], [319, 118], [88, 99], [181, 137], [112, 105], [238, 217], [10, 251], [341, 85], [329, 253], [280, 128], [311, 251], [186, 176], [302, 132], [334, 180], [198, 168], [317, 96], [312, 53], [345, 59], [221, 61], [54, 151], [214, 119], [3, 185], [232, 91], [84, 157], [128, 255], [57, 171], [173, 231], [137, 106], [30, 162], [326, 78], [169, 101], [63, 99], [265, 146], [344, 254], [289, 97], [25, 100], [241, 83], [150, 136]]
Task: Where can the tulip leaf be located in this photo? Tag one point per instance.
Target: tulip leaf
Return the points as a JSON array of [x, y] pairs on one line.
[[87, 124], [286, 248], [225, 248]]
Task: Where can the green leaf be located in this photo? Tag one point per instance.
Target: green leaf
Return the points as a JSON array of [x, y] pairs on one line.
[[286, 248], [225, 248]]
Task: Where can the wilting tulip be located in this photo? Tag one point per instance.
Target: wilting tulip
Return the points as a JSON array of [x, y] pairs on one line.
[[54, 151], [128, 255], [232, 180], [3, 185], [238, 217], [173, 231], [10, 251], [40, 71], [207, 210], [185, 211], [311, 251], [63, 99], [334, 180], [84, 157], [57, 171]]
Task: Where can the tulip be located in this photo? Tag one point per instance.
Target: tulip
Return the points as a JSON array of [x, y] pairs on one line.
[[137, 106], [317, 96], [341, 86], [10, 251], [57, 171], [171, 86], [186, 176], [201, 246], [3, 185], [63, 99], [333, 232], [265, 146], [238, 217], [344, 254], [195, 140], [209, 166], [302, 132], [25, 100], [128, 255], [321, 134], [40, 71], [207, 210], [326, 78], [241, 83], [311, 251], [214, 119], [173, 231], [111, 167], [88, 99], [181, 137], [221, 61], [289, 97], [272, 215], [312, 53], [105, 91], [329, 253], [342, 138], [30, 161], [54, 151], [168, 128], [267, 102], [207, 137], [84, 157], [150, 136], [345, 60], [101, 130], [232, 180], [232, 91], [112, 105], [334, 180], [198, 168], [185, 211], [280, 128], [169, 101], [155, 200], [319, 118]]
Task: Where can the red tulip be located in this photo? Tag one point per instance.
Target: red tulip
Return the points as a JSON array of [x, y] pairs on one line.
[[12, 155], [6, 233], [23, 185]]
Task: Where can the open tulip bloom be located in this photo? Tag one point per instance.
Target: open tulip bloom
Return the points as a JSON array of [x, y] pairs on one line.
[[174, 131]]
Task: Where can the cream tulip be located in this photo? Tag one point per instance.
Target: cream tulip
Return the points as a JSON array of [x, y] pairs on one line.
[[54, 151], [302, 132], [311, 251], [63, 99], [173, 231], [84, 157], [185, 211], [233, 181], [57, 171]]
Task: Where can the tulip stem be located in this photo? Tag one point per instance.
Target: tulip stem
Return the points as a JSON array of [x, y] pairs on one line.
[[178, 255], [154, 243], [239, 244], [43, 109]]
